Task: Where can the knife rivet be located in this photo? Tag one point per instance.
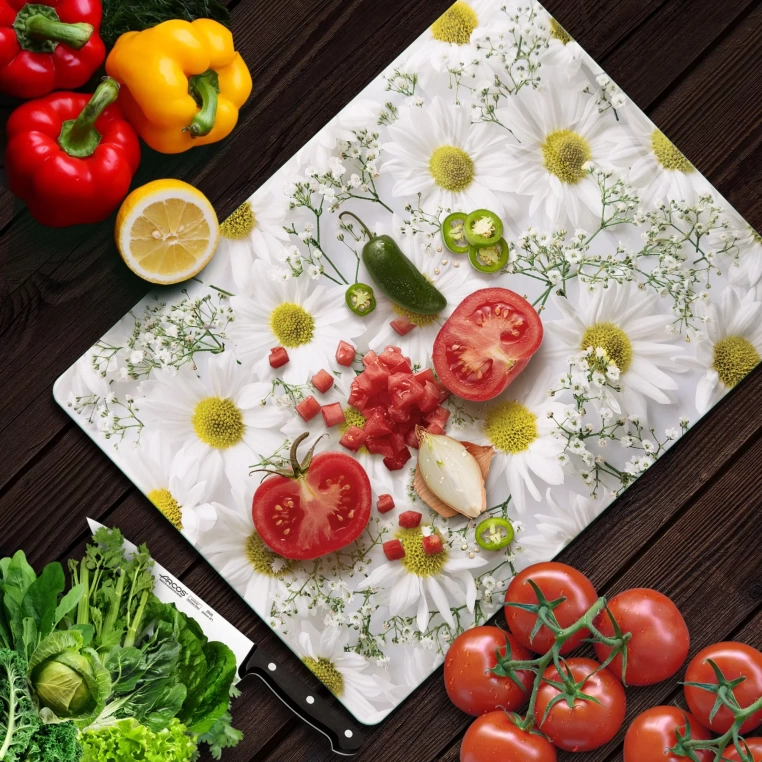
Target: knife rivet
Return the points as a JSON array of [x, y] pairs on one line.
[[272, 666], [310, 700], [348, 733]]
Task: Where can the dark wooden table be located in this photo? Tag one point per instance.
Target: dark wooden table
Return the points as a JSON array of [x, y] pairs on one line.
[[691, 527]]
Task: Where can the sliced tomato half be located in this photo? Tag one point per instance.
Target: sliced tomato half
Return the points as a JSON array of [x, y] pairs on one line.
[[486, 343]]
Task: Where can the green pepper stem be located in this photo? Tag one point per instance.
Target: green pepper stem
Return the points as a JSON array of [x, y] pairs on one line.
[[359, 221], [78, 137], [39, 27], [205, 88]]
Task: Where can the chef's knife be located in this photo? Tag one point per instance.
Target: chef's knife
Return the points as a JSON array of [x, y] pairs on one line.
[[345, 737]]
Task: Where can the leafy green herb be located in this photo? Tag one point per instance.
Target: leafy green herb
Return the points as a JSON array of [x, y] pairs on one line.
[[120, 16], [221, 672], [222, 735], [128, 741], [18, 717], [55, 743]]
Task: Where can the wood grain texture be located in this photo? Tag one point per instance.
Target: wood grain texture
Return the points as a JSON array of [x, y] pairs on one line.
[[695, 67]]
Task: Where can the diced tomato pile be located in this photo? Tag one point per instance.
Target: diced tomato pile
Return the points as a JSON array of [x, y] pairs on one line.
[[394, 400]]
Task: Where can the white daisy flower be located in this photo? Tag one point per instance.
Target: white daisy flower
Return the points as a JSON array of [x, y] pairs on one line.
[[564, 52], [450, 274], [554, 531], [219, 417], [239, 554], [180, 487], [451, 162], [561, 135], [747, 273], [423, 581], [453, 38], [520, 426], [307, 319], [652, 163], [731, 347], [419, 663], [344, 673], [254, 231], [627, 325]]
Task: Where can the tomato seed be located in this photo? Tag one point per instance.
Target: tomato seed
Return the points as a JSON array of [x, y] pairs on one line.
[[286, 531]]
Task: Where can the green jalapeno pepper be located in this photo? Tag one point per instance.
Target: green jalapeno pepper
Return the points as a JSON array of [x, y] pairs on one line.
[[489, 259], [483, 228], [360, 299], [494, 534], [453, 233], [396, 276]]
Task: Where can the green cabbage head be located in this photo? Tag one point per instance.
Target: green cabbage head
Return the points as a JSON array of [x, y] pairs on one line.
[[64, 683]]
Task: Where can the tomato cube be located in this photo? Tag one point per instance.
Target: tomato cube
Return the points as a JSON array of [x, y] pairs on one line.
[[434, 428], [385, 503], [402, 325], [278, 357], [376, 424], [374, 378], [395, 361], [440, 415], [379, 446], [411, 438], [396, 462], [393, 550], [308, 408], [427, 374], [405, 390], [332, 414], [353, 439], [345, 354], [430, 398], [322, 381], [432, 545], [358, 398], [369, 357], [398, 441], [410, 519]]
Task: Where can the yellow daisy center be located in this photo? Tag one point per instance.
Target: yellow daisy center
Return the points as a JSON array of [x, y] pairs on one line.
[[734, 358], [456, 24], [292, 325], [261, 557], [452, 168], [163, 500], [614, 342], [416, 560], [559, 33], [240, 224], [218, 422], [565, 153], [415, 317], [510, 426], [668, 155], [327, 673]]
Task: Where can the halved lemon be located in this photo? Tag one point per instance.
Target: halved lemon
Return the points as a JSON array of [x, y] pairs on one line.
[[167, 231]]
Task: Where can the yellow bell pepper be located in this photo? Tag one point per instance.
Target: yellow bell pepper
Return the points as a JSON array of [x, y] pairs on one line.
[[182, 83]]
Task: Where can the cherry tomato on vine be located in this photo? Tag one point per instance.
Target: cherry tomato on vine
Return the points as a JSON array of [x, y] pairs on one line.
[[660, 638], [652, 734], [555, 581], [494, 737], [589, 723], [734, 660], [754, 746], [469, 680]]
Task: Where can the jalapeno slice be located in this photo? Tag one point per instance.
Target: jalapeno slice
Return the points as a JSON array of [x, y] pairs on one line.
[[489, 259], [483, 228], [453, 233], [361, 299], [494, 534]]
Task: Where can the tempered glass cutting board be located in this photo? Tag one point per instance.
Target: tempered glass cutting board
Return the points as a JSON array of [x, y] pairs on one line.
[[645, 278]]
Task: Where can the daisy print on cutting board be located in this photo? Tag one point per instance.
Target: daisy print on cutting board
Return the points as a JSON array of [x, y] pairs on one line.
[[437, 152], [563, 52], [561, 135], [306, 318], [730, 348], [218, 417], [628, 349]]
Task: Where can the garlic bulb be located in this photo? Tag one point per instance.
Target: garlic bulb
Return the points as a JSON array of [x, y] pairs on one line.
[[451, 473]]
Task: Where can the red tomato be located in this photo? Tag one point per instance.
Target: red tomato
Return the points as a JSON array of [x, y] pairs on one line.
[[660, 638], [470, 683], [734, 660], [322, 507], [495, 738], [652, 734], [486, 343], [755, 747], [555, 581], [587, 725]]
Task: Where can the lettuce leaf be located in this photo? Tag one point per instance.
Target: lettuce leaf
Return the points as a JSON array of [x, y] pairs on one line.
[[221, 666], [129, 741]]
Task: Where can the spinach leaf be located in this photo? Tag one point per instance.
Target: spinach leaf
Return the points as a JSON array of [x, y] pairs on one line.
[[68, 603], [127, 668], [29, 636], [221, 672], [41, 599]]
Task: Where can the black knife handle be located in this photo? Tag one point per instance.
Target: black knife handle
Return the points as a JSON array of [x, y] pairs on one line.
[[345, 737]]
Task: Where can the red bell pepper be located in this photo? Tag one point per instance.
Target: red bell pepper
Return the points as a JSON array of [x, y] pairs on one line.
[[71, 157], [50, 45]]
